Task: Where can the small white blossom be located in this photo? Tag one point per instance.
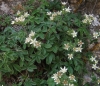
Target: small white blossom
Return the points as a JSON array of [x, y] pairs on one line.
[[17, 19], [55, 76], [72, 77], [37, 44], [33, 41], [32, 34], [66, 46], [67, 9], [80, 43], [65, 82], [26, 14], [74, 34], [13, 22], [94, 66], [63, 3], [70, 56], [21, 18], [48, 13], [57, 81], [93, 58], [96, 62], [77, 49], [63, 70], [95, 34], [71, 84], [18, 12], [59, 12], [51, 18], [98, 81], [27, 40], [59, 74]]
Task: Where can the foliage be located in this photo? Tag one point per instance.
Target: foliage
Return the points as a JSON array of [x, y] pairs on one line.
[[34, 66]]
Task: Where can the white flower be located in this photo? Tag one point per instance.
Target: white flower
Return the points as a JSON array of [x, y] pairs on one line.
[[57, 81], [32, 34], [59, 74], [63, 3], [92, 58], [66, 46], [74, 34], [80, 43], [94, 66], [33, 41], [63, 70], [77, 49], [65, 82], [98, 81], [67, 9], [71, 84], [21, 18], [27, 40], [70, 56], [16, 19], [59, 12], [26, 14], [13, 22], [18, 12], [72, 77], [37, 44], [55, 76], [51, 18], [95, 34], [96, 62], [48, 13]]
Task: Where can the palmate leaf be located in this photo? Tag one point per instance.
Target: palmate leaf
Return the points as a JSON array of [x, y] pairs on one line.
[[29, 82]]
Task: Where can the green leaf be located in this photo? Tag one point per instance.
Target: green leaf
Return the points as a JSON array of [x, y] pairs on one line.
[[44, 29], [50, 82], [41, 35], [48, 45], [31, 68], [17, 67], [70, 70], [50, 58], [55, 49], [29, 82]]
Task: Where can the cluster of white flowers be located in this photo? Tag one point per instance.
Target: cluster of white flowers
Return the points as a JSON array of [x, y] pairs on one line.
[[20, 18], [91, 19], [79, 48], [75, 49], [54, 14], [88, 18], [30, 39], [96, 35], [59, 76], [95, 62]]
